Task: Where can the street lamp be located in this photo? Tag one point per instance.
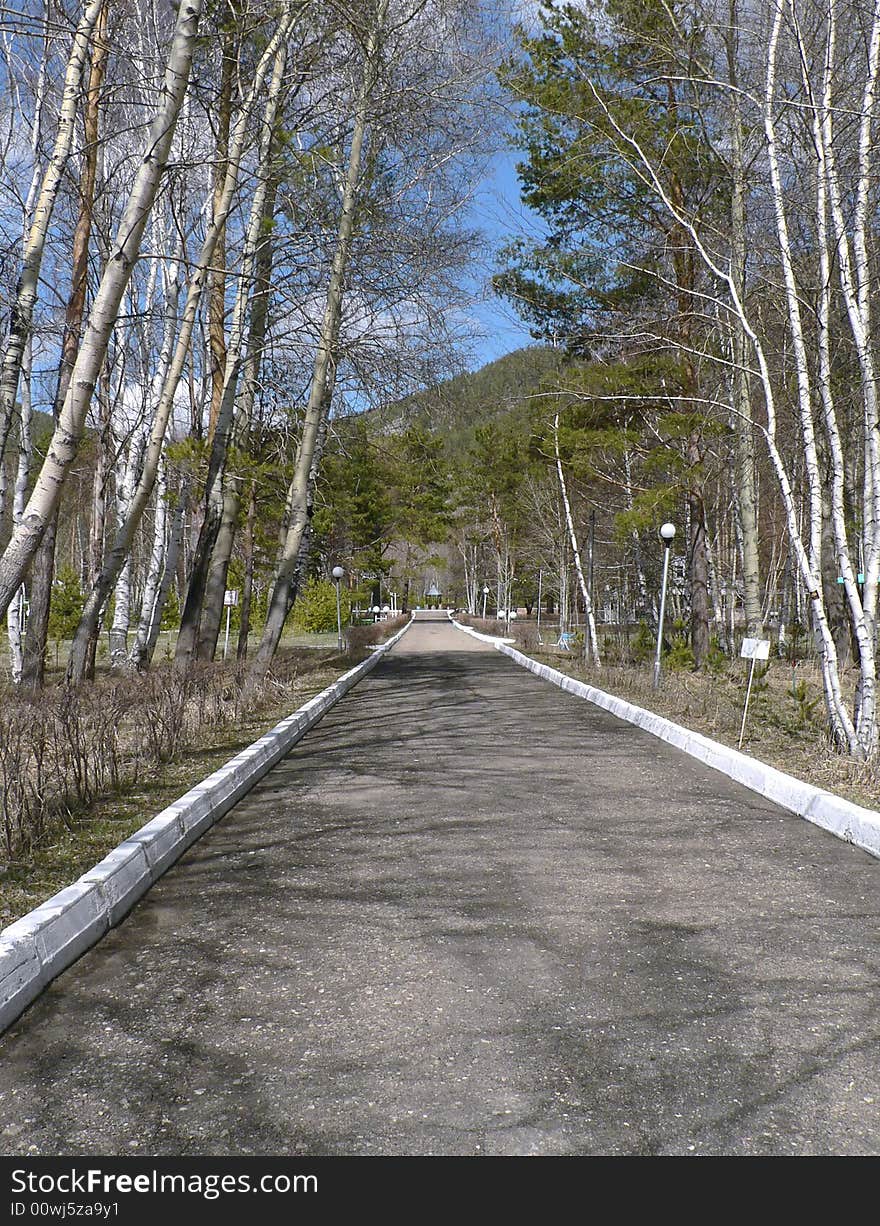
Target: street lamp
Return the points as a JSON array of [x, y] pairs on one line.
[[667, 532], [337, 572], [485, 594]]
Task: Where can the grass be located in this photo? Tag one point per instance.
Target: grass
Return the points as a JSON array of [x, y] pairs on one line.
[[57, 649]]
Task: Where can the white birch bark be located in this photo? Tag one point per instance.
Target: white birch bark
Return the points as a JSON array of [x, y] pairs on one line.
[[15, 614], [116, 555], [128, 467], [143, 650], [318, 403], [105, 308], [854, 273], [575, 549], [22, 312], [155, 568]]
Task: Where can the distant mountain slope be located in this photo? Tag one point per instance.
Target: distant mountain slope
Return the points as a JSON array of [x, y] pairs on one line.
[[456, 407]]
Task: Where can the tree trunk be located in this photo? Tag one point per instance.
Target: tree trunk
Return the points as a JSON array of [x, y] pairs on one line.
[[43, 566], [117, 554], [318, 404], [227, 428], [22, 312], [576, 553], [746, 485], [244, 615], [16, 613], [105, 309], [217, 274], [698, 563], [155, 571], [145, 653]]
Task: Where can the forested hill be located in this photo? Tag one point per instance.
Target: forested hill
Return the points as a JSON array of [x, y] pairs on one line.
[[456, 407]]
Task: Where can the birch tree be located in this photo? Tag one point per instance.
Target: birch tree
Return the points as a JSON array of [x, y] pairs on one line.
[[21, 314], [235, 357], [43, 566], [116, 555], [68, 432], [593, 645], [318, 405]]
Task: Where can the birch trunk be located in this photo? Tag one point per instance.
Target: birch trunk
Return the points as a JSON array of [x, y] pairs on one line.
[[43, 566], [155, 570], [217, 273], [829, 205], [230, 405], [593, 646], [125, 486], [125, 534], [318, 405], [22, 311], [100, 485], [145, 653], [15, 616], [102, 317]]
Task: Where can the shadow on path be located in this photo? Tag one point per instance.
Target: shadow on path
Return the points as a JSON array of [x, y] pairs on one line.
[[471, 914]]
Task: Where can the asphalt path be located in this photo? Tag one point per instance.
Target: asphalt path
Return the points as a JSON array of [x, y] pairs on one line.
[[472, 914]]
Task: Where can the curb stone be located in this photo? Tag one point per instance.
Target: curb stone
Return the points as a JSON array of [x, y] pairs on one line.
[[35, 949], [848, 821]]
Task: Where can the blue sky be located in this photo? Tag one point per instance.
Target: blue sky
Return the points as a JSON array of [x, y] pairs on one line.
[[498, 211]]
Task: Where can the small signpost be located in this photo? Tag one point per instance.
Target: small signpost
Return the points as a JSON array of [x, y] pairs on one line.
[[752, 649], [230, 599]]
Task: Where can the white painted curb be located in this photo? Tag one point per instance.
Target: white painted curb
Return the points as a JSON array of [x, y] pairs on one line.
[[475, 634], [43, 943], [847, 820]]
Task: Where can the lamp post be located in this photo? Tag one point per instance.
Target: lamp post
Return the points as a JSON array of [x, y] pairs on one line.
[[485, 594], [667, 532], [337, 572]]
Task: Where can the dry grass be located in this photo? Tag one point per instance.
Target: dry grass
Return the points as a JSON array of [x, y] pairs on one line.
[[110, 756]]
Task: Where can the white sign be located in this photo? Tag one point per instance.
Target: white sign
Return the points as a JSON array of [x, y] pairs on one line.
[[755, 649], [231, 597]]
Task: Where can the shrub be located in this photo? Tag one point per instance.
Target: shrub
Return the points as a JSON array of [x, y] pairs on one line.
[[642, 645], [679, 656], [67, 604], [66, 747], [315, 608], [357, 638]]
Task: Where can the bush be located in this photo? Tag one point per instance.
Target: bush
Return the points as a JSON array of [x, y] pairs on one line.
[[67, 604], [526, 636], [66, 747], [679, 656], [171, 612], [643, 644], [315, 609]]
